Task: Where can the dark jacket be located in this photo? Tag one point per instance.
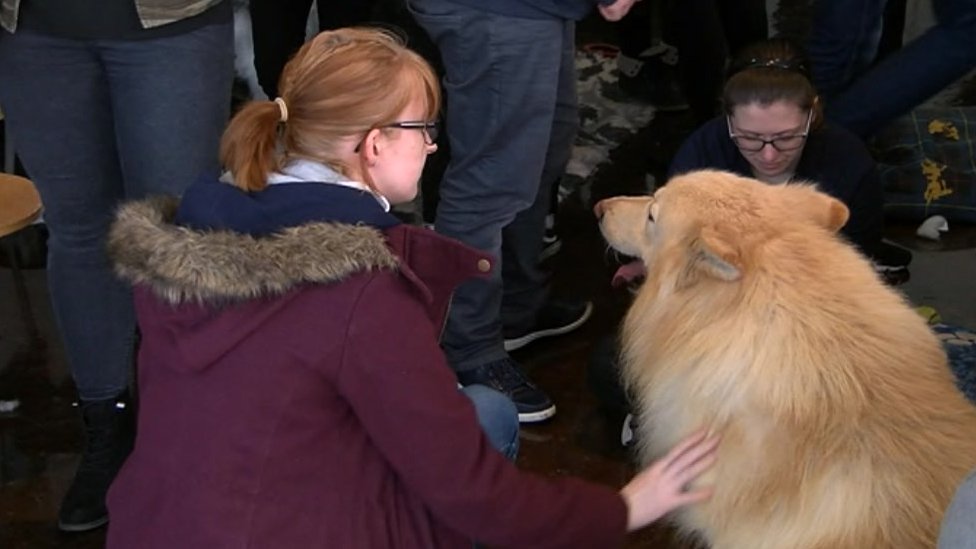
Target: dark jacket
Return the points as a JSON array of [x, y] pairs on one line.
[[292, 392], [833, 158]]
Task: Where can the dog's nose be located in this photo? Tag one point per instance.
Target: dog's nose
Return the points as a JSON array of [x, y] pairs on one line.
[[599, 210]]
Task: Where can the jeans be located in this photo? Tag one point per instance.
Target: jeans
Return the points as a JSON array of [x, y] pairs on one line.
[[958, 528], [511, 116], [498, 418], [904, 79], [98, 122]]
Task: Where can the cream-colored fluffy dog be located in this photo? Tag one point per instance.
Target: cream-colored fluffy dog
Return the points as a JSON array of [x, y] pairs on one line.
[[841, 424]]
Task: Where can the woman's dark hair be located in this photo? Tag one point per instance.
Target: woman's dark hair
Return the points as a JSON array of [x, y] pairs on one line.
[[770, 71]]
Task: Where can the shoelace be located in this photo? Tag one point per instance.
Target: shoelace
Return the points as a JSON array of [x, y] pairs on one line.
[[508, 376]]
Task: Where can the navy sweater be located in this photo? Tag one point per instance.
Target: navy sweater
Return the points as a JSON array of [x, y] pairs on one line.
[[210, 204], [833, 158]]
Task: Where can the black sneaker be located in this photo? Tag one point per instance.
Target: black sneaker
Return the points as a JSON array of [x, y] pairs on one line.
[[557, 317], [888, 257], [891, 263], [551, 244], [506, 376]]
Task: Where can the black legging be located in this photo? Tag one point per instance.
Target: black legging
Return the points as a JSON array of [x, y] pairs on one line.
[[634, 31], [278, 28], [706, 33]]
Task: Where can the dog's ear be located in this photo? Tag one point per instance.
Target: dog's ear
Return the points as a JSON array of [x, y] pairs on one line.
[[820, 208], [716, 255]]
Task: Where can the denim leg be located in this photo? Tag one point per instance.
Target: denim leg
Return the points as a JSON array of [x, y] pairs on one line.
[[501, 82], [843, 41], [909, 76], [498, 418], [60, 106], [958, 528], [170, 102], [526, 285]]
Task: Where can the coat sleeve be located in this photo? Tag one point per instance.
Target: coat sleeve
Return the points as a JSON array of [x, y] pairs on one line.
[[397, 380]]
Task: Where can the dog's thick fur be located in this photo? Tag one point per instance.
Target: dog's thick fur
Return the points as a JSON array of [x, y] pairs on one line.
[[841, 425]]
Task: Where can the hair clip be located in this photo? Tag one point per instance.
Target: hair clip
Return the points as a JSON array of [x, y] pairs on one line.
[[793, 64]]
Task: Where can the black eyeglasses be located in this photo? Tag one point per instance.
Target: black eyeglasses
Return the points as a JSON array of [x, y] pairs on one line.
[[782, 143], [429, 129]]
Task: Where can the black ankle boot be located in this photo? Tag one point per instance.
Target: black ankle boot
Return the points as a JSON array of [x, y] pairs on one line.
[[109, 435]]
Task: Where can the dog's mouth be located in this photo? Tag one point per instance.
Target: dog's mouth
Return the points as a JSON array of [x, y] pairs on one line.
[[630, 273]]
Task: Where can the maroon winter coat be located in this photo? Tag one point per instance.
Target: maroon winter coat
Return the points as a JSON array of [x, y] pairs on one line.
[[293, 394]]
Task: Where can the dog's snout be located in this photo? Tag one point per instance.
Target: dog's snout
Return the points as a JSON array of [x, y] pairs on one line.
[[598, 210]]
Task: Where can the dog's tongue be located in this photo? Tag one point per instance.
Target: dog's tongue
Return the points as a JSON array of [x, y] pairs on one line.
[[628, 273]]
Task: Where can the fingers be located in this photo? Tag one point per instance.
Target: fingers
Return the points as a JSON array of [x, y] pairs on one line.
[[689, 498], [689, 451], [690, 473]]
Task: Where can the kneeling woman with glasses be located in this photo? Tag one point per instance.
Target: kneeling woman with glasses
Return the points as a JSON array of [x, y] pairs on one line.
[[772, 129]]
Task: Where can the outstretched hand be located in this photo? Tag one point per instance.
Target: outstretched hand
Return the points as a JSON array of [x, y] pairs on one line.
[[661, 487], [617, 10]]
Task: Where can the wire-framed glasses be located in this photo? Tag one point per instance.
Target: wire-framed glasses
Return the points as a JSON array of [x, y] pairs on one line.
[[782, 143], [428, 128]]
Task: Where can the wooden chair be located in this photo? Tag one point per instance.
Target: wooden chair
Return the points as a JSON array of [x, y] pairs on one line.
[[20, 205]]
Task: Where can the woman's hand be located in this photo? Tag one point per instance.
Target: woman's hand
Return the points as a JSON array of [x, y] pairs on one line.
[[660, 488]]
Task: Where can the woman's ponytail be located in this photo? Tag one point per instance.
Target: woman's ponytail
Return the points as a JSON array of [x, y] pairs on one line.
[[248, 148]]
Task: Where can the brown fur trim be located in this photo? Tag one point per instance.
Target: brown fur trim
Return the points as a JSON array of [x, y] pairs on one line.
[[181, 264]]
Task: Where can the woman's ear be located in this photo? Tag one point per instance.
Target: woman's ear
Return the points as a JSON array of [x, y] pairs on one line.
[[371, 147]]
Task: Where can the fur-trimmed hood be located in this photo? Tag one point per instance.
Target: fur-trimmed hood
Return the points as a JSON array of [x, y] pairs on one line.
[[183, 275], [182, 264]]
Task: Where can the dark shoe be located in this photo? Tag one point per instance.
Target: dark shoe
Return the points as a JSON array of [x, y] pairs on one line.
[[891, 257], [109, 434], [891, 263], [557, 317], [603, 378], [507, 377], [551, 244]]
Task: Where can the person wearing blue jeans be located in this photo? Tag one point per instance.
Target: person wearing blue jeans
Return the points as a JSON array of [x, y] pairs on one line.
[[498, 418], [510, 83], [958, 530], [844, 41], [105, 105]]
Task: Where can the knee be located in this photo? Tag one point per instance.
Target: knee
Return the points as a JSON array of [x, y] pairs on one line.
[[498, 418], [957, 526]]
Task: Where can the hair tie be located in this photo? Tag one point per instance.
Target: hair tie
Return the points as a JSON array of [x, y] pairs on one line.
[[283, 108]]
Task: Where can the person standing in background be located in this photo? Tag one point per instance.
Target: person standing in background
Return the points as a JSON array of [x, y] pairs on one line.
[[278, 30], [863, 98], [110, 102], [510, 81]]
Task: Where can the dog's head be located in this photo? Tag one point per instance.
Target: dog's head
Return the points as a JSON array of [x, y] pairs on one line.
[[713, 225]]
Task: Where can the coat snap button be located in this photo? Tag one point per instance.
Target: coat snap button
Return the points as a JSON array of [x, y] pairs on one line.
[[484, 265]]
